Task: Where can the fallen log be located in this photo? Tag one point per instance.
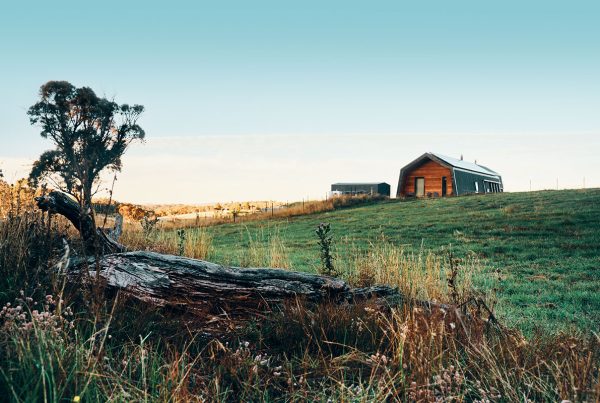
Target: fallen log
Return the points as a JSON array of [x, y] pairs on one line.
[[208, 289], [199, 286], [203, 289]]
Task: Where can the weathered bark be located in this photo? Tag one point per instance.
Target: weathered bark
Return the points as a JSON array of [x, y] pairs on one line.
[[208, 289], [96, 241]]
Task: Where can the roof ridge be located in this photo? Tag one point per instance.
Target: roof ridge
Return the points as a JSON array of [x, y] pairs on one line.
[[462, 164]]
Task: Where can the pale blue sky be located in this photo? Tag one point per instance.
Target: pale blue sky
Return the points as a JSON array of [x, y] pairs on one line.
[[323, 81]]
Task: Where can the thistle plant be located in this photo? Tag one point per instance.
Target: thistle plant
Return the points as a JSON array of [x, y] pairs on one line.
[[325, 240], [181, 241], [148, 223]]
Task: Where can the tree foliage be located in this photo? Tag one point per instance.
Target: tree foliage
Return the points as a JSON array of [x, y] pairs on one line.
[[90, 134]]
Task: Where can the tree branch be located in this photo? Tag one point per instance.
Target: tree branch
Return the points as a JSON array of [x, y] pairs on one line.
[[96, 242]]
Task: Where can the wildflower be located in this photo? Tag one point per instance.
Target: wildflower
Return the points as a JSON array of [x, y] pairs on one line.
[[76, 399]]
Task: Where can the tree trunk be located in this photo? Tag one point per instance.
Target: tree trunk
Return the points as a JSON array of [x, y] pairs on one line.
[[96, 242]]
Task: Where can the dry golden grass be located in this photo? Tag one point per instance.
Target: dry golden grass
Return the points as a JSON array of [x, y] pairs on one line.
[[265, 249], [197, 244], [423, 275], [17, 198]]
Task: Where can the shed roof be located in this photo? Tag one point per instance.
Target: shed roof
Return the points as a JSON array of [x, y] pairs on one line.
[[360, 183], [470, 166]]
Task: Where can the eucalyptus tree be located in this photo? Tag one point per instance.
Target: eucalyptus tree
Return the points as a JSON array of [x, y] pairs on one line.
[[90, 136]]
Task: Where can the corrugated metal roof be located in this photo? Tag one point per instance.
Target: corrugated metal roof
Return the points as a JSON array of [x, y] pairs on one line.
[[470, 166], [360, 183]]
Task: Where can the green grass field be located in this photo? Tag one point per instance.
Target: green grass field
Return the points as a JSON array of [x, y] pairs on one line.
[[540, 250]]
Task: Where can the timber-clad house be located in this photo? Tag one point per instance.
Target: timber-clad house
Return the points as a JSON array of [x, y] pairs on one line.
[[435, 175]]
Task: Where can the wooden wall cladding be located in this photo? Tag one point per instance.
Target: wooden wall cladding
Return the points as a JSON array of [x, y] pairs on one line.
[[433, 173]]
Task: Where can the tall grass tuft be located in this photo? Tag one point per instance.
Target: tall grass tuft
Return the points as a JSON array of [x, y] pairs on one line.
[[195, 242], [28, 242], [418, 275], [50, 356], [198, 244], [264, 248]]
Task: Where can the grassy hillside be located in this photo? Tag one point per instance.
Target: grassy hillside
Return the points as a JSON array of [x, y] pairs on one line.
[[540, 250], [72, 342]]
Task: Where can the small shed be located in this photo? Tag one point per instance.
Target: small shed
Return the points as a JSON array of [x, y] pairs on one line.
[[434, 175], [378, 188]]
